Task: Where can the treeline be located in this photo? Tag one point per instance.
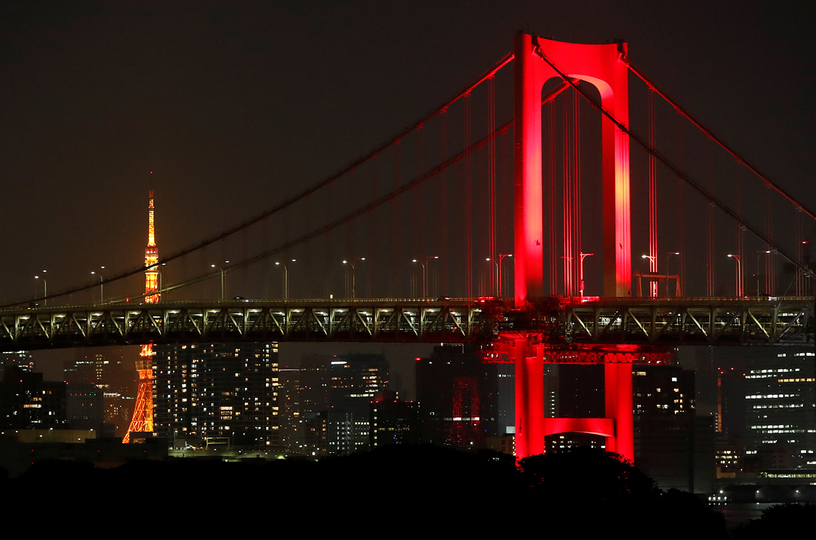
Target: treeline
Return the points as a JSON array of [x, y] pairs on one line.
[[403, 490]]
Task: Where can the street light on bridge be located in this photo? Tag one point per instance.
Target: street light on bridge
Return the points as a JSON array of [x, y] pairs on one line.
[[45, 288], [759, 254], [222, 277], [101, 284], [428, 259], [350, 262], [668, 271], [498, 265], [653, 270], [285, 278], [581, 271], [739, 273]]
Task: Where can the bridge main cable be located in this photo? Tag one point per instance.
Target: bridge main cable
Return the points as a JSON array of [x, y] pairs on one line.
[[371, 155], [652, 151], [379, 202], [289, 202], [719, 141]]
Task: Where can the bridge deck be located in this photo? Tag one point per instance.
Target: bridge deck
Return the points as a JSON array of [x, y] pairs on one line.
[[666, 322]]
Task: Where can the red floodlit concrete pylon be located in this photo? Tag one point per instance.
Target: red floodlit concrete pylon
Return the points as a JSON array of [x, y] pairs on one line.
[[536, 61]]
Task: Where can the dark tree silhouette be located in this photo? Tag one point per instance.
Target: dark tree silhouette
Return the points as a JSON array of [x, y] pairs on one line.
[[588, 492], [780, 521]]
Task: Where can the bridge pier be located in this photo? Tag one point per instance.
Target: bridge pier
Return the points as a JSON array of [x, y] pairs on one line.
[[532, 427], [529, 397]]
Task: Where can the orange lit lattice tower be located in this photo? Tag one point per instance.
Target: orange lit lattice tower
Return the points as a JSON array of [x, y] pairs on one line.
[[143, 411]]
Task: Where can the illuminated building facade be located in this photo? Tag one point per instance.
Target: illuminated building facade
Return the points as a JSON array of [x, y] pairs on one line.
[[673, 445], [21, 359], [217, 393], [463, 400], [104, 368], [308, 388], [28, 402], [731, 416], [356, 379], [143, 411], [86, 408], [781, 410], [393, 421]]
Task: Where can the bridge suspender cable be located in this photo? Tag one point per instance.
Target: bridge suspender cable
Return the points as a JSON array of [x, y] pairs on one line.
[[289, 202], [722, 206], [382, 200], [716, 139], [394, 140]]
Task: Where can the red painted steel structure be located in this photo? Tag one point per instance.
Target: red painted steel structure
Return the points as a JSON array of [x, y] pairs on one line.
[[601, 66], [532, 426], [536, 61]]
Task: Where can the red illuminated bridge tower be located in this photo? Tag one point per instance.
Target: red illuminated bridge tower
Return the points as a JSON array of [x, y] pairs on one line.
[[536, 61]]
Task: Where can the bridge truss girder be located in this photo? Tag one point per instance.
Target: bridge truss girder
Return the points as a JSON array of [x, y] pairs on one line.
[[562, 321], [786, 321], [379, 321]]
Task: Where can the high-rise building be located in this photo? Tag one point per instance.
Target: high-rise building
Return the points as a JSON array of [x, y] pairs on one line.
[[21, 359], [311, 405], [393, 421], [730, 422], [85, 404], [328, 400], [217, 393], [28, 402], [672, 444], [355, 381], [465, 403], [781, 410], [86, 367], [143, 410], [104, 368]]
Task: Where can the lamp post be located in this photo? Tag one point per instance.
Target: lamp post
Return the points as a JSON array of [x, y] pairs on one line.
[[502, 256], [496, 274], [350, 262], [285, 278], [581, 271], [668, 269], [424, 265], [428, 259], [45, 288], [222, 277], [498, 265], [739, 273], [101, 285], [652, 284], [759, 254], [160, 278]]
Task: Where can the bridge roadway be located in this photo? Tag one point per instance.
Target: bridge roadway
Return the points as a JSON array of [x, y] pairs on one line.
[[557, 320]]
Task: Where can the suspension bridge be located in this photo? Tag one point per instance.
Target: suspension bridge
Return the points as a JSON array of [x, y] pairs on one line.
[[538, 210]]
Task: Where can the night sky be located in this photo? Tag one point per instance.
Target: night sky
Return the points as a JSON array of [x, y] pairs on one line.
[[234, 105]]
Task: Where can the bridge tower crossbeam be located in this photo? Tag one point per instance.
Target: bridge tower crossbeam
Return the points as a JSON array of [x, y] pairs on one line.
[[536, 61], [530, 351]]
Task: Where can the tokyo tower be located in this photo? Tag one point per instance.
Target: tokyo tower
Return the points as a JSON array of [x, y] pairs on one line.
[[143, 411]]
